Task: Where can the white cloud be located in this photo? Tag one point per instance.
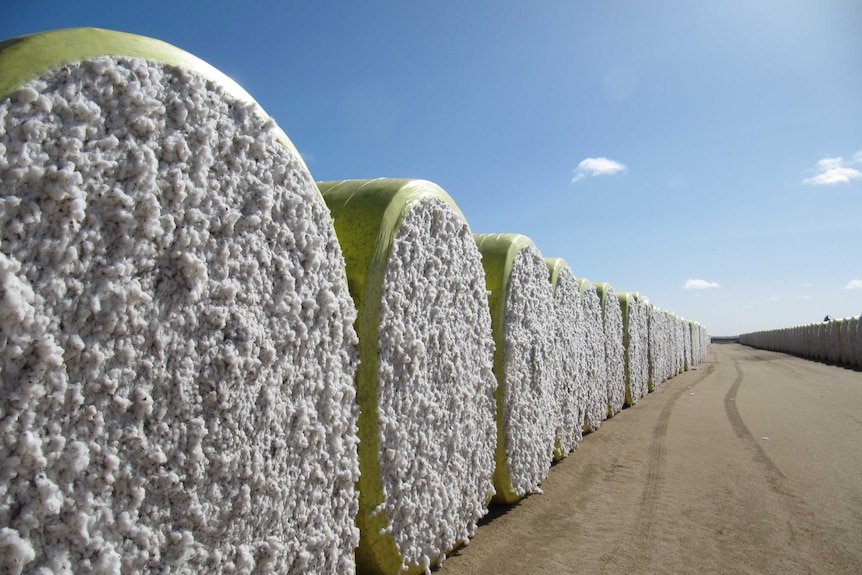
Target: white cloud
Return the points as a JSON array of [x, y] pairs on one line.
[[805, 297], [835, 171], [597, 167], [699, 284], [773, 298], [854, 284]]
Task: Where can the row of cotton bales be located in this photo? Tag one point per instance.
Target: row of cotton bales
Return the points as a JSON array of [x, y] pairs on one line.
[[675, 345], [211, 363], [476, 371], [835, 340]]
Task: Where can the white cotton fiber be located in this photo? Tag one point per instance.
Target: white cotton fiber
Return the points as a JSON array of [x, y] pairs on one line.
[[569, 353], [595, 361], [636, 346], [855, 341], [688, 344], [680, 330], [856, 331], [640, 355], [661, 347], [833, 345], [176, 340], [436, 384], [529, 386], [612, 322]]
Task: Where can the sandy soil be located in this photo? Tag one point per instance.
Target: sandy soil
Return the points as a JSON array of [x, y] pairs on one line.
[[750, 464]]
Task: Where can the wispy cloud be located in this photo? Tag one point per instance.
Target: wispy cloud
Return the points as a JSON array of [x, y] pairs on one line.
[[597, 167], [854, 284], [699, 284], [805, 297], [833, 171]]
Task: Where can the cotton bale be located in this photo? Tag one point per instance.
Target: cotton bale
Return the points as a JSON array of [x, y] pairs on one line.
[[635, 343], [821, 349], [612, 323], [688, 361], [850, 341], [652, 350], [832, 333], [663, 335], [522, 308], [679, 344], [425, 382], [595, 357], [177, 354], [844, 341], [856, 336], [668, 335], [569, 354], [658, 346], [695, 344]]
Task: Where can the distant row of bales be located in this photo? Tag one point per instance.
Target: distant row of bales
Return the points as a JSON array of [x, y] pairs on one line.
[[211, 363], [837, 341]]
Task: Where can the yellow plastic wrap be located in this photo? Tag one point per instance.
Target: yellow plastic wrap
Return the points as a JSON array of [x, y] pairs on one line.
[[367, 215], [498, 255], [27, 57]]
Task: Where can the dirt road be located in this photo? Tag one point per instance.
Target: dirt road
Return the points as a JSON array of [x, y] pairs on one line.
[[750, 464]]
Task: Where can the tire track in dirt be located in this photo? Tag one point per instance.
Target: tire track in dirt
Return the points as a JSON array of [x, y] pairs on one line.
[[773, 474], [802, 521], [635, 546]]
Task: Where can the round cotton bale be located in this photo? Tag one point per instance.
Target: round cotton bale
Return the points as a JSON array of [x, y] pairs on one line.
[[522, 308], [425, 381], [696, 343], [177, 357], [569, 353], [667, 349], [855, 343], [843, 341], [812, 335], [856, 335], [636, 346], [679, 344], [660, 347], [688, 361], [822, 341], [612, 322], [833, 340], [595, 358]]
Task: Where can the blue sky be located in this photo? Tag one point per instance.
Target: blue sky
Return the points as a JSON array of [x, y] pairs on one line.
[[647, 143]]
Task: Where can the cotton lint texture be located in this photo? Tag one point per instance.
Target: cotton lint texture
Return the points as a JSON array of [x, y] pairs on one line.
[[177, 350], [595, 362], [435, 384], [637, 350], [529, 393], [614, 351], [571, 379]]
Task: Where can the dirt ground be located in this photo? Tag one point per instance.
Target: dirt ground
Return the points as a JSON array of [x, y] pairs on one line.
[[750, 464]]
